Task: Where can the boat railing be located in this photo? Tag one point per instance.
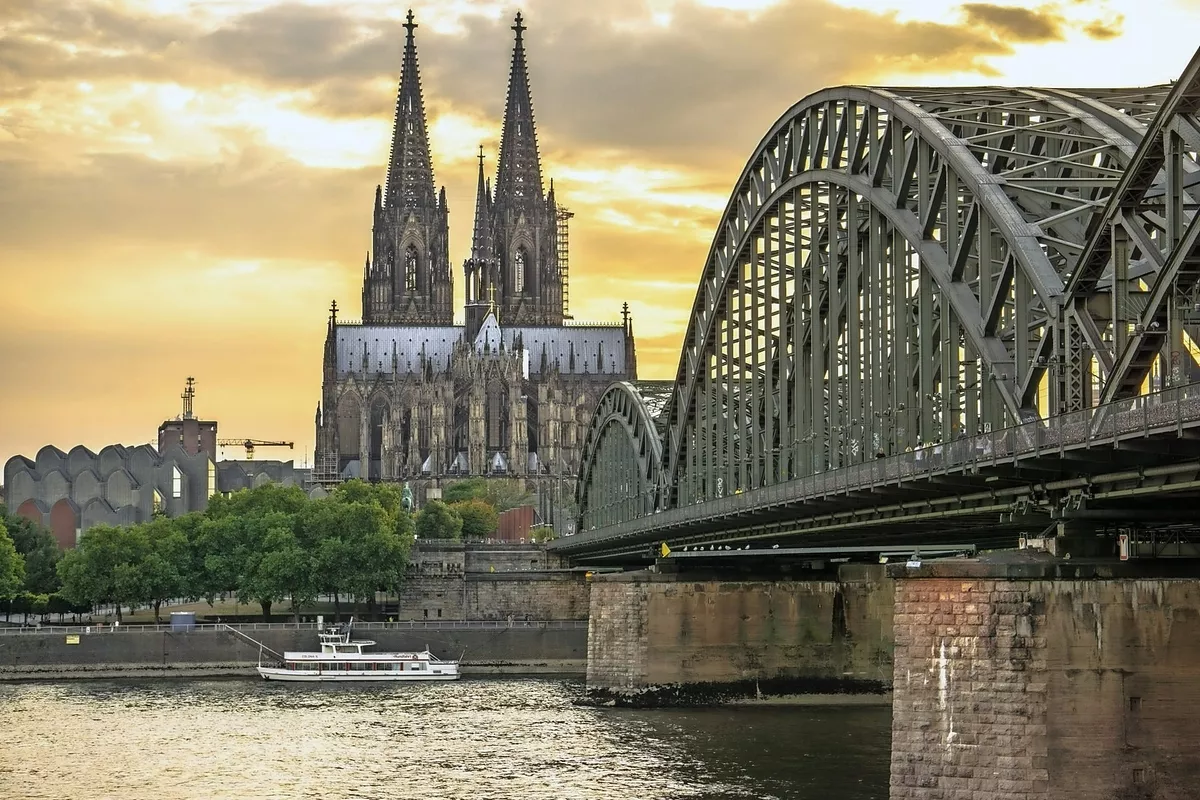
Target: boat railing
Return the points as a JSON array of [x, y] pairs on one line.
[[407, 625], [262, 648]]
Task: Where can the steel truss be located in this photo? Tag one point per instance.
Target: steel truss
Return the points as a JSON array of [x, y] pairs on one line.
[[899, 267], [622, 459]]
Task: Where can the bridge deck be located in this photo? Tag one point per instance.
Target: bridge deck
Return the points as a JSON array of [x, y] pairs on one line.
[[998, 482]]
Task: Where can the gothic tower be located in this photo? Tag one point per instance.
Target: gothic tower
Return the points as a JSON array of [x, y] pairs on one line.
[[515, 250], [407, 279]]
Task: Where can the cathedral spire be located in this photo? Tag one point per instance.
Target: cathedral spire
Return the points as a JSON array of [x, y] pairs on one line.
[[519, 176], [481, 244], [410, 170]]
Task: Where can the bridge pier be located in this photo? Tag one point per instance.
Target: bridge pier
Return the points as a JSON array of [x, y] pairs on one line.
[[1046, 680], [697, 639]]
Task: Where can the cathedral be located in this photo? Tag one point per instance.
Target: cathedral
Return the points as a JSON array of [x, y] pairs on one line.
[[408, 394]]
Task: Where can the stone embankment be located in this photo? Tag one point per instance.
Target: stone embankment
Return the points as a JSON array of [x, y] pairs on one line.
[[556, 647], [676, 640]]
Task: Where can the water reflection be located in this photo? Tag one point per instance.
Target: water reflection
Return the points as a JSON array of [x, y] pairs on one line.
[[513, 738]]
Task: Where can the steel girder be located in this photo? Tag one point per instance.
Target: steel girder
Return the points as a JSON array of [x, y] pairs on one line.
[[907, 266], [882, 276], [1140, 327], [620, 473]]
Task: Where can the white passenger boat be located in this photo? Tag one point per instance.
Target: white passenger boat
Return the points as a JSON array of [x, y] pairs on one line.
[[343, 659]]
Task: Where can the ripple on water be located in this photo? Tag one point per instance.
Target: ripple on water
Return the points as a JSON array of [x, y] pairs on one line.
[[486, 739]]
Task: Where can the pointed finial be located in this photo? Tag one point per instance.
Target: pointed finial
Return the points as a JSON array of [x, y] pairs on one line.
[[518, 27], [333, 313], [625, 314], [492, 298], [410, 25], [481, 158]]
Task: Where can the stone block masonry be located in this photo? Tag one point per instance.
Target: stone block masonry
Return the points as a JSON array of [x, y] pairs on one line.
[[521, 649], [1024, 682], [657, 639]]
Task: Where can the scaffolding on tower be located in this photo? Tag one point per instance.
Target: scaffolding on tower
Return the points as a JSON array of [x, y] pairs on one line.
[[325, 470], [564, 214]]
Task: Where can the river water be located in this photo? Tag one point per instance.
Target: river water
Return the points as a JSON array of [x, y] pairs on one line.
[[482, 738]]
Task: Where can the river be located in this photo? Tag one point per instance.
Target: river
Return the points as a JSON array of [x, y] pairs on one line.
[[482, 738]]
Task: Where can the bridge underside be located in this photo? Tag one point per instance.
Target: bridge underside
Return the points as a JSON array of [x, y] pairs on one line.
[[929, 312]]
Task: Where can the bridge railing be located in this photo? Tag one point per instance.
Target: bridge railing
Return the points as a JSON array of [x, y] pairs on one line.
[[414, 625], [1105, 425]]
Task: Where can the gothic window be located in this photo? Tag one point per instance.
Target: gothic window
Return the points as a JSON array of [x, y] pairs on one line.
[[519, 270], [176, 483], [410, 269]]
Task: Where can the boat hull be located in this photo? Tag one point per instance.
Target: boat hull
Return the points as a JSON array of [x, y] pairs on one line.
[[305, 676]]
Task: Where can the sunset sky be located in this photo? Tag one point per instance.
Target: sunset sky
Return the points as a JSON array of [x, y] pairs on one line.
[[186, 184]]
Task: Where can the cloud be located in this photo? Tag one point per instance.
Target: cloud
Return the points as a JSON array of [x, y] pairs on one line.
[[1102, 30], [1017, 24], [182, 192]]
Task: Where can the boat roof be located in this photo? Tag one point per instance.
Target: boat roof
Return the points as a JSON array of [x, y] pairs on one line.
[[309, 655]]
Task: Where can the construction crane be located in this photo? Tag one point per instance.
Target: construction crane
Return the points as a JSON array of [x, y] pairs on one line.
[[250, 444]]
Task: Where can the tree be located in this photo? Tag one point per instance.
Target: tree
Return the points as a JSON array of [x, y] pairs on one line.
[[164, 563], [104, 568], [357, 546], [468, 489], [542, 534], [288, 569], [501, 493], [39, 549], [438, 521], [12, 565], [479, 518], [259, 500]]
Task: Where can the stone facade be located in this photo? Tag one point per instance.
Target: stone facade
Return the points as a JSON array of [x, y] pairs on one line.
[[70, 492], [408, 395], [658, 639], [1010, 687], [456, 581]]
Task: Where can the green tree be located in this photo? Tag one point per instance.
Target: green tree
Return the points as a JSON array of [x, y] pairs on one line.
[[37, 546], [467, 489], [480, 519], [501, 493], [164, 564], [542, 534], [289, 569], [257, 501], [12, 565], [255, 582], [357, 547], [104, 568], [438, 521]]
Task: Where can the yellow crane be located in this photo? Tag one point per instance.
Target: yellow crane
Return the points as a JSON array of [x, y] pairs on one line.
[[250, 444]]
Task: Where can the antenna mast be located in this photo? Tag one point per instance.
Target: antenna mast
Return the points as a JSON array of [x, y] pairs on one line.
[[189, 394]]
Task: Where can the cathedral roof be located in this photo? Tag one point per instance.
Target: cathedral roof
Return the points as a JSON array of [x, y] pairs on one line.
[[490, 339], [573, 349]]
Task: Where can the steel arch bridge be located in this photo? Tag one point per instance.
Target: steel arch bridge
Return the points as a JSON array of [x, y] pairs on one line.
[[899, 268]]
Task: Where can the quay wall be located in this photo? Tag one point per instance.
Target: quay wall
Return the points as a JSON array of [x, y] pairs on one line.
[[520, 649], [663, 639], [494, 596], [1030, 683]]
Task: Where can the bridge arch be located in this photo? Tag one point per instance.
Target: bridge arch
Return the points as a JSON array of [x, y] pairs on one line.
[[902, 268], [620, 472], [887, 252]]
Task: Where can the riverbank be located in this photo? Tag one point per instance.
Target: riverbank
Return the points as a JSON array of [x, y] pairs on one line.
[[535, 648]]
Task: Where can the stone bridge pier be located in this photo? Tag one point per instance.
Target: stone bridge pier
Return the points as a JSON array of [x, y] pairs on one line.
[[1010, 678], [695, 639], [1046, 681]]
